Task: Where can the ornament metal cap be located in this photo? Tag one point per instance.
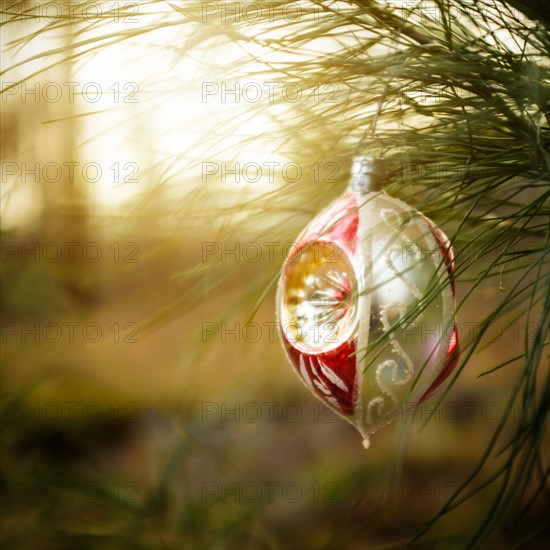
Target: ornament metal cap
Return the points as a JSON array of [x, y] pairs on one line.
[[367, 174]]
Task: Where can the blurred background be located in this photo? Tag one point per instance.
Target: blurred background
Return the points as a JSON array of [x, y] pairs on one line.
[[158, 158]]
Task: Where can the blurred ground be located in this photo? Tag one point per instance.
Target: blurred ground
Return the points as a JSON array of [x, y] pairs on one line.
[[130, 432]]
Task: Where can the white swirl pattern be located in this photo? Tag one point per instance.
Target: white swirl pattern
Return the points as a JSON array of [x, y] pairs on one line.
[[381, 409]]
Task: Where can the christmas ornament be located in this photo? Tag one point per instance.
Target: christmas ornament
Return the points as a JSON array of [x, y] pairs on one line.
[[366, 304]]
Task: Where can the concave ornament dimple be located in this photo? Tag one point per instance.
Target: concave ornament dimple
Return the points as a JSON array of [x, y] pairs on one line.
[[366, 304]]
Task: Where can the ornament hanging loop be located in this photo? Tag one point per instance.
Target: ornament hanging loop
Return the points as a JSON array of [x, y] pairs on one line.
[[367, 174]]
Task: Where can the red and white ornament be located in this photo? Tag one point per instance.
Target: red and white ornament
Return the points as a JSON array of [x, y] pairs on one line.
[[366, 304]]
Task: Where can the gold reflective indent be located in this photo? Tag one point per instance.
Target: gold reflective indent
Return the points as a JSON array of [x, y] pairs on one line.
[[319, 301]]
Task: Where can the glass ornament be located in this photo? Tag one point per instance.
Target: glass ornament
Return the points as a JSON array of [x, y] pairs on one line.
[[365, 304]]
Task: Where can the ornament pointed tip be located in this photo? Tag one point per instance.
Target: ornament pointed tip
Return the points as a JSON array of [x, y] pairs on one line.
[[366, 442]]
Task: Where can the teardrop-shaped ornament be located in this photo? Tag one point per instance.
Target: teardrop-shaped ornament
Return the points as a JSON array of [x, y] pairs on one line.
[[366, 304]]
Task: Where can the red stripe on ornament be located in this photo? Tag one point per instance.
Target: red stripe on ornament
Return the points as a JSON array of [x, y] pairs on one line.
[[445, 248], [334, 371], [337, 223], [451, 361], [453, 351]]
